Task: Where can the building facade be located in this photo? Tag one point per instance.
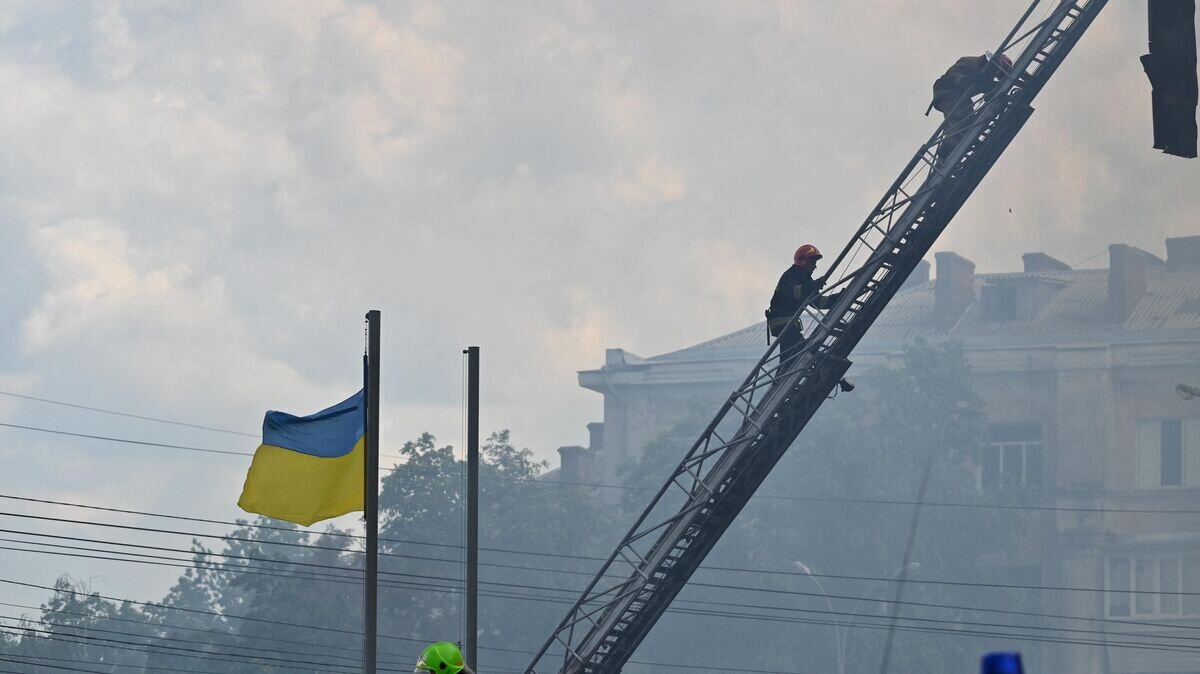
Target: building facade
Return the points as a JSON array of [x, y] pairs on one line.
[[1077, 369]]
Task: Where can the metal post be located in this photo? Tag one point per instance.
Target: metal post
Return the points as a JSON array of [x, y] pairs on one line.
[[471, 644], [839, 637], [866, 595], [371, 496], [908, 550]]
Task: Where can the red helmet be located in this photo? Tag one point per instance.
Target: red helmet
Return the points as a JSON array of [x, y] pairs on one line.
[[1004, 62], [805, 253]]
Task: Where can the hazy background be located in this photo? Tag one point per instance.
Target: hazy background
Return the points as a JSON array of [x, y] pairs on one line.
[[199, 201]]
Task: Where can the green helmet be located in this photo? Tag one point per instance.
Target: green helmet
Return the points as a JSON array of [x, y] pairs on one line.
[[442, 657]]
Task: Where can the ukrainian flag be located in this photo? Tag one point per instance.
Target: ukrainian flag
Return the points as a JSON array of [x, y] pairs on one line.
[[310, 468]]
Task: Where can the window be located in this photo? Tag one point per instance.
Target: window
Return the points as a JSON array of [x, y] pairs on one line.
[[1191, 586], [1118, 582], [1168, 453], [1013, 455], [1151, 586]]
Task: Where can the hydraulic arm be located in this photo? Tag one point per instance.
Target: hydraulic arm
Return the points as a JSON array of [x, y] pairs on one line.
[[760, 420]]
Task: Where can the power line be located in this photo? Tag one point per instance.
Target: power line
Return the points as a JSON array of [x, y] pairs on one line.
[[655, 664], [235, 616], [696, 583], [205, 630], [294, 575], [600, 485], [220, 566], [518, 567], [596, 485], [957, 632], [129, 415], [177, 651], [293, 530], [303, 575], [1012, 586], [342, 578], [789, 573], [961, 632], [195, 534], [953, 623], [564, 590], [23, 661], [143, 417], [307, 546], [142, 546], [901, 502], [141, 558], [126, 441], [352, 661], [37, 662], [771, 618]]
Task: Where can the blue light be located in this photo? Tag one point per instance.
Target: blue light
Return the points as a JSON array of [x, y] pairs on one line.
[[1001, 663]]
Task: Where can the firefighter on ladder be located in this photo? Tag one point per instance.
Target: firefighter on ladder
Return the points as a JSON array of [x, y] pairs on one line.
[[970, 76], [797, 286]]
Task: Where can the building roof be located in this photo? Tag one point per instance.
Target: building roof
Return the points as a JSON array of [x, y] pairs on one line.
[[1073, 307]]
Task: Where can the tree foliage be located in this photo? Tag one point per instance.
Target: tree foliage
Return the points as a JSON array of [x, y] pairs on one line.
[[840, 503]]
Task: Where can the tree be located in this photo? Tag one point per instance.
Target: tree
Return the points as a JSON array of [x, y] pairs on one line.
[[839, 501], [76, 625], [523, 594]]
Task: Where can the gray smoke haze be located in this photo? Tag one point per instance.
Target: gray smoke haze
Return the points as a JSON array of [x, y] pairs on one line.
[[199, 201]]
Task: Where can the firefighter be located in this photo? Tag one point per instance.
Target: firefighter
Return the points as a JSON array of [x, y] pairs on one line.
[[797, 286], [953, 91], [794, 287], [442, 657]]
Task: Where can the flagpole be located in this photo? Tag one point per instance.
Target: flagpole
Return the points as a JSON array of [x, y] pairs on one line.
[[471, 636], [371, 496]]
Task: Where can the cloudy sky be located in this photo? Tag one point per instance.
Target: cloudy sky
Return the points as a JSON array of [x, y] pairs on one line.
[[198, 202]]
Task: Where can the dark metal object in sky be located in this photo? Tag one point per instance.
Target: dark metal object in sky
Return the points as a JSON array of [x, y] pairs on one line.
[[1171, 67]]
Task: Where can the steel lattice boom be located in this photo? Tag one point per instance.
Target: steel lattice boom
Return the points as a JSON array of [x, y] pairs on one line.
[[761, 419]]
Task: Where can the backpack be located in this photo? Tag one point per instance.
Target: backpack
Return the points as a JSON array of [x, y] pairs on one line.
[[955, 79]]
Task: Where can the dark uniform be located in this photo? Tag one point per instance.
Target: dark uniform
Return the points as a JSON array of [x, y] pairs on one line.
[[968, 77], [795, 285]]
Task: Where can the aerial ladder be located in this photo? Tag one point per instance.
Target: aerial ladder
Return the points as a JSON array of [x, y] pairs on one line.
[[759, 421]]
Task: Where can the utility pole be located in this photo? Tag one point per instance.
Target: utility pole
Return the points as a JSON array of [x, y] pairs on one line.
[[472, 608], [908, 551], [371, 496]]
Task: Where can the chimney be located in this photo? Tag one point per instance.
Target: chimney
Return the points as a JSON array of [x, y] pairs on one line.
[[1183, 252], [596, 436], [918, 277], [954, 289], [1035, 262], [1126, 279], [576, 464]]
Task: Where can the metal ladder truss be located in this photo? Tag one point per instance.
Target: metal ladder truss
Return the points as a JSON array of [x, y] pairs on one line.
[[762, 418]]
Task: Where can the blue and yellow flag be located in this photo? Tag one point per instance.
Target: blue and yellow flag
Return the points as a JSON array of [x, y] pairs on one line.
[[310, 468]]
